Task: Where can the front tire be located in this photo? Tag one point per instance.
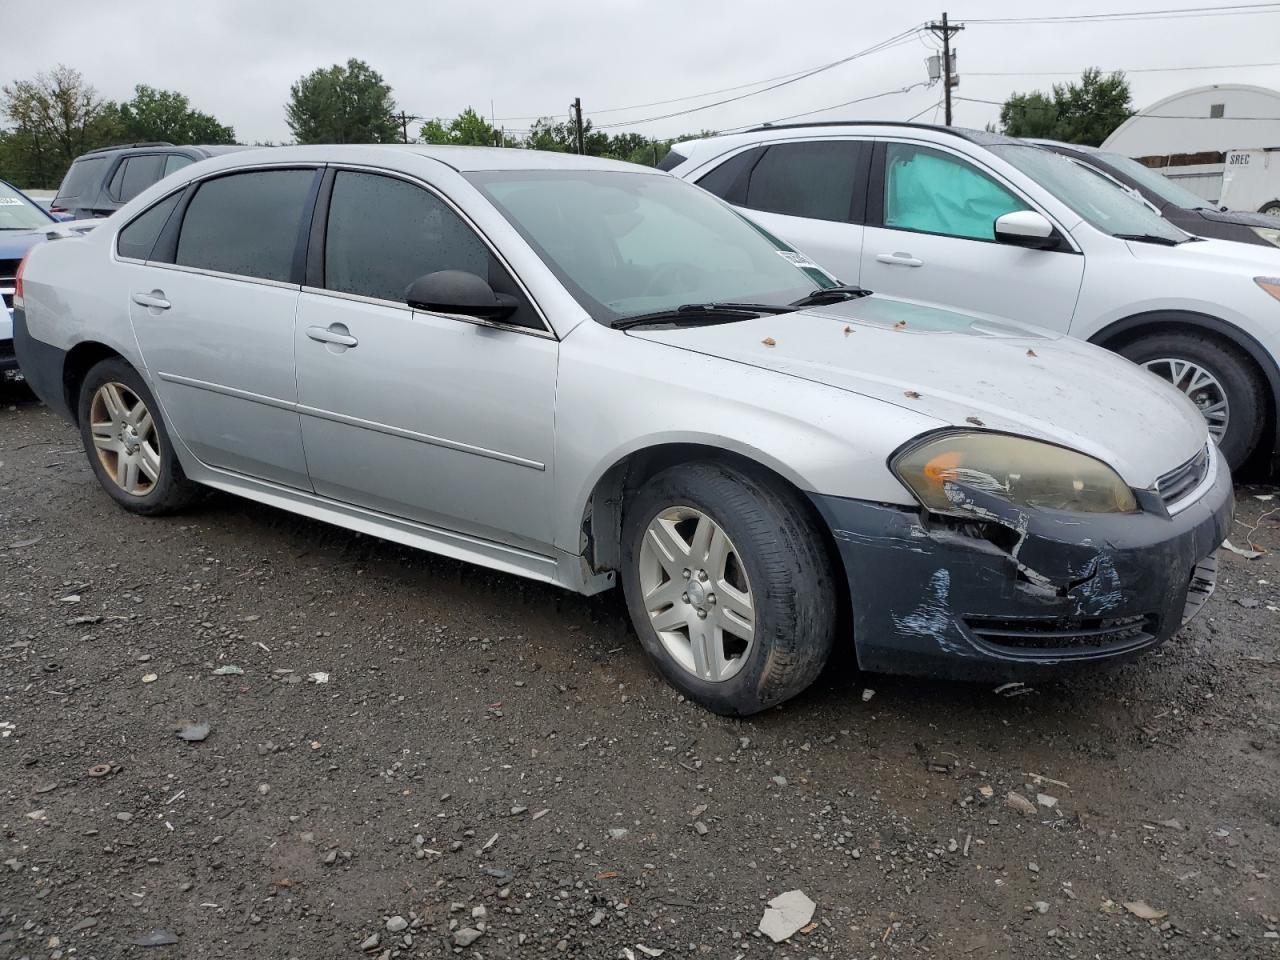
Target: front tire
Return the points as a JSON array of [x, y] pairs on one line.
[[1226, 387], [127, 443], [729, 587]]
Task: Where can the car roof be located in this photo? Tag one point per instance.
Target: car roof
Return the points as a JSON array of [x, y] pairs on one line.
[[462, 159], [1063, 145], [983, 138]]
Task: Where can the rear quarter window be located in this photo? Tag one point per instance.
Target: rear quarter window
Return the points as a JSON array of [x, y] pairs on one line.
[[138, 238], [82, 177]]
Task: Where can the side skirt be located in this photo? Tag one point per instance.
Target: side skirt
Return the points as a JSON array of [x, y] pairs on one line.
[[561, 569]]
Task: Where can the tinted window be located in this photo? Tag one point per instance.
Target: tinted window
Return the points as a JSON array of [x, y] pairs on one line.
[[934, 192], [729, 180], [138, 239], [246, 223], [82, 177], [384, 233], [806, 180], [135, 174], [175, 161], [671, 160]]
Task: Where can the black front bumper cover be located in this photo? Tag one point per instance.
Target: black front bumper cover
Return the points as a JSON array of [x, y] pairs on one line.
[[1021, 594]]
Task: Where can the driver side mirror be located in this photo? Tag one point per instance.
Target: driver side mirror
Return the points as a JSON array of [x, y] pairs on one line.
[[1026, 228], [461, 293]]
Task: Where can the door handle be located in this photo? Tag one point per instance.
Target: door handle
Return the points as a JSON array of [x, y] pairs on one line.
[[900, 259], [155, 300], [335, 333]]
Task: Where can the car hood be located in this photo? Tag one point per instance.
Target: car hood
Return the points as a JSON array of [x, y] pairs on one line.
[[970, 371], [1239, 216], [14, 244], [1226, 256]]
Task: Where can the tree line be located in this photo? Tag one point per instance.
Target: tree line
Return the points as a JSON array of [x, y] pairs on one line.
[[57, 116]]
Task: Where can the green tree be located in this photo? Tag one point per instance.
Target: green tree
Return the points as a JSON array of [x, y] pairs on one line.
[[546, 134], [1089, 110], [54, 118], [1029, 115], [467, 128], [350, 104], [1084, 112], [167, 115]]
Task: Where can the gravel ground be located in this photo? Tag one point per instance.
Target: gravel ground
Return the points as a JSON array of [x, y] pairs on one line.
[[489, 767]]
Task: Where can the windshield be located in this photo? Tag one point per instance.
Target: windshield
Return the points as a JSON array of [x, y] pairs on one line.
[[626, 244], [1156, 182], [1103, 206], [18, 213]]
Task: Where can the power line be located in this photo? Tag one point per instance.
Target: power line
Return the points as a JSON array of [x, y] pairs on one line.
[[1172, 13], [933, 106], [834, 106], [1072, 73], [780, 80], [905, 36]]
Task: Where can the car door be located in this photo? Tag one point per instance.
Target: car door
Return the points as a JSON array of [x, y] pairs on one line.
[[930, 236], [213, 309], [810, 193], [436, 418]]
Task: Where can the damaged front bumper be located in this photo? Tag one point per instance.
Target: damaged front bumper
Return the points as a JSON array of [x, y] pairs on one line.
[[1018, 594]]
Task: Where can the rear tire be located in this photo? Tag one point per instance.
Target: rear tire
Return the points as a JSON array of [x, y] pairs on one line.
[[1240, 382], [1272, 208], [767, 561], [127, 442]]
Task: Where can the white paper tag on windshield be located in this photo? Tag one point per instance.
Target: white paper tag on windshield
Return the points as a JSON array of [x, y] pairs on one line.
[[10, 202], [797, 259]]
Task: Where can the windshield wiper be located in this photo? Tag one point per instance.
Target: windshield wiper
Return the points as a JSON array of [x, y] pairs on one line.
[[1148, 238], [694, 313], [836, 294]]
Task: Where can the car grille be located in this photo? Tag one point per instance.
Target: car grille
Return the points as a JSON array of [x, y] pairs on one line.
[[1180, 481], [1063, 637], [8, 269]]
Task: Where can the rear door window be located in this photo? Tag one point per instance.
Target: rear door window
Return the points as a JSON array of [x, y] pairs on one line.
[[135, 174], [246, 223], [817, 179], [930, 191]]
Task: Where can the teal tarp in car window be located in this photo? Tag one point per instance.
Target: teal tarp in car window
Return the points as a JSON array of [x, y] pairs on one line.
[[928, 191]]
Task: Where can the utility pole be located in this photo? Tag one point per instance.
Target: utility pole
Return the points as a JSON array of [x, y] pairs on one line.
[[576, 107], [945, 30], [404, 125]]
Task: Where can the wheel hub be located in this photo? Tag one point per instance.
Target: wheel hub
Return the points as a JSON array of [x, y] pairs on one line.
[[696, 593], [1201, 386]]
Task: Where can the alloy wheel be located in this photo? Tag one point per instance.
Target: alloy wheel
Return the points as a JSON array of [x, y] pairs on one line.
[[124, 434], [1201, 386], [697, 594]]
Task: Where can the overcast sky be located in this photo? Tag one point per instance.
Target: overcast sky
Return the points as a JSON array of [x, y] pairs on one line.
[[237, 58]]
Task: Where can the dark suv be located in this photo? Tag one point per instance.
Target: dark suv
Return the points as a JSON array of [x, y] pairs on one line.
[[102, 181]]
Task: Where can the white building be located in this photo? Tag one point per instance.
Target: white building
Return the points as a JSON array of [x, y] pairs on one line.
[[1187, 136]]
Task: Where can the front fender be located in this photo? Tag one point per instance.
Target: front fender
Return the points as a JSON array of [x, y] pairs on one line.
[[620, 395]]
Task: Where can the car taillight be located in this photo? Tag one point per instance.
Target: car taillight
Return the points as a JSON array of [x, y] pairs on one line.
[[17, 282], [57, 209]]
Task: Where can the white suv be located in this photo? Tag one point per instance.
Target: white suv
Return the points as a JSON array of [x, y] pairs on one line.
[[995, 225]]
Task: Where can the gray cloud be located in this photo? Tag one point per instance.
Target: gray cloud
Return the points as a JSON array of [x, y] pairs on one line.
[[236, 59]]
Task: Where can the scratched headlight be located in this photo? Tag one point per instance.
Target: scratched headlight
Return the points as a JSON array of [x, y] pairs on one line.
[[942, 469]]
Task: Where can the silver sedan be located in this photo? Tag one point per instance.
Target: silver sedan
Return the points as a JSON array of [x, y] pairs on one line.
[[586, 373]]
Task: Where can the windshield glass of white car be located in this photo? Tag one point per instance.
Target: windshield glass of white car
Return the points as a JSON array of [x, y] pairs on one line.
[[626, 244], [1157, 182], [1099, 202]]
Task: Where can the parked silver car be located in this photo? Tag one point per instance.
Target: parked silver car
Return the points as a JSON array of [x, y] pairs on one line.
[[581, 371]]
